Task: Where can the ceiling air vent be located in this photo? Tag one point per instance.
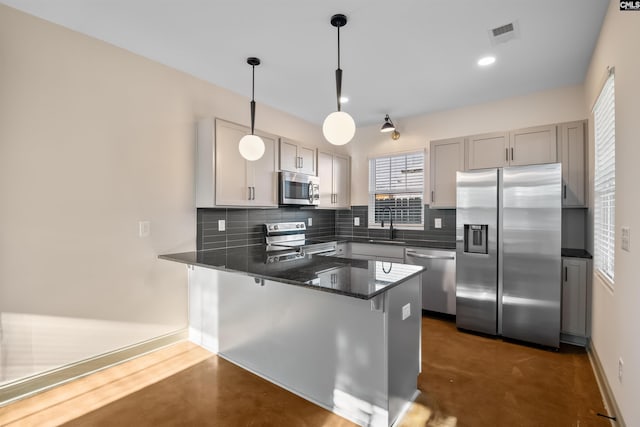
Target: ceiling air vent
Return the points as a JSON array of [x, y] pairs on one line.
[[504, 33]]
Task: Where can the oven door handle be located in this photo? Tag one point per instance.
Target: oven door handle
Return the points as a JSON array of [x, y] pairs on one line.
[[324, 251]]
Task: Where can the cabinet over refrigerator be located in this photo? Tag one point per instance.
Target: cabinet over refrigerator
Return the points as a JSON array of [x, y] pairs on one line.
[[508, 241]]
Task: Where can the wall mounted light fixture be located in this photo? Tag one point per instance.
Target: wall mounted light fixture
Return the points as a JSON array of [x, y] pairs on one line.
[[252, 146], [339, 128], [388, 126]]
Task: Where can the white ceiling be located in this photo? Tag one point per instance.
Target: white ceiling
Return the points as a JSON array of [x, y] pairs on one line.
[[403, 57]]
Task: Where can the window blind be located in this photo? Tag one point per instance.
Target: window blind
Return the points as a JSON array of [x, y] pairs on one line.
[[605, 179], [397, 182]]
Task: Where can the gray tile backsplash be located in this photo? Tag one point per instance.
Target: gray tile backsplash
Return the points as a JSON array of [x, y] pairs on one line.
[[444, 237], [244, 226]]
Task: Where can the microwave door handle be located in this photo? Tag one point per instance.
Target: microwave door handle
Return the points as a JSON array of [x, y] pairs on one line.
[[310, 192]]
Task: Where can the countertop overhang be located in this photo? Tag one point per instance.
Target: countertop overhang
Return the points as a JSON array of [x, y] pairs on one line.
[[361, 279]]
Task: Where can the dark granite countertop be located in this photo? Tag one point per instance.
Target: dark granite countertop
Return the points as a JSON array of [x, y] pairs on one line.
[[355, 278], [575, 253]]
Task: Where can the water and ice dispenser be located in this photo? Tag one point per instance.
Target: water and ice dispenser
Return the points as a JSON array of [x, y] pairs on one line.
[[475, 238]]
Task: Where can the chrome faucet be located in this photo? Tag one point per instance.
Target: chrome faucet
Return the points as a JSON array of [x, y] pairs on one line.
[[390, 221]]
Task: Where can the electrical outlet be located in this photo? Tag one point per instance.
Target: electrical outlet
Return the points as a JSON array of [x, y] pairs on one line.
[[222, 225], [620, 366], [406, 311], [437, 222], [626, 239], [309, 222], [144, 228], [356, 221]]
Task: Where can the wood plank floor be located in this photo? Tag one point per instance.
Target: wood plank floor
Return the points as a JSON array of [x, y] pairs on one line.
[[467, 380]]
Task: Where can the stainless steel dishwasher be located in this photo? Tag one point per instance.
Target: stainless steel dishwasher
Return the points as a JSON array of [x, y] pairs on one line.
[[439, 280]]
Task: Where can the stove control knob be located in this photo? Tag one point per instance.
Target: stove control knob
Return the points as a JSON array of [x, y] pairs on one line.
[[298, 226], [275, 227]]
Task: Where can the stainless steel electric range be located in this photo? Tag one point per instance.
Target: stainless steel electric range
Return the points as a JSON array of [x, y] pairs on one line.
[[287, 241]]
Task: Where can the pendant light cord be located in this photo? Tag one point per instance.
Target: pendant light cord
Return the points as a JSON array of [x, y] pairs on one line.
[[338, 47], [253, 102], [338, 74]]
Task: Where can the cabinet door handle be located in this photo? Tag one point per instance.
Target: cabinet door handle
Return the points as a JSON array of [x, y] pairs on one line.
[[564, 191], [432, 196], [565, 274], [506, 154], [511, 153], [301, 162], [249, 197], [253, 192]]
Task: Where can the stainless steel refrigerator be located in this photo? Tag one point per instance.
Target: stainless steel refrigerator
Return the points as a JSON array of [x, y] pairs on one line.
[[508, 238]]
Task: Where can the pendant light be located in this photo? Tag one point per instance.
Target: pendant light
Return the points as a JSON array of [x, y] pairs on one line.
[[338, 128], [251, 146]]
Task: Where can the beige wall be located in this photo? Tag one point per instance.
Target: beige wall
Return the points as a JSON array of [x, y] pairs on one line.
[[94, 139], [559, 105], [615, 311]]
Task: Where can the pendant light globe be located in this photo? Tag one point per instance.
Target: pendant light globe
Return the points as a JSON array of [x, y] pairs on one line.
[[339, 128], [251, 147]]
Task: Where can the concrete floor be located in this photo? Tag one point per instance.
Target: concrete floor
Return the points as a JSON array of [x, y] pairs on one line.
[[467, 380]]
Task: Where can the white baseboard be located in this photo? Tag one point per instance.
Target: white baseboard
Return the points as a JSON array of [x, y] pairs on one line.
[[29, 386], [609, 400]]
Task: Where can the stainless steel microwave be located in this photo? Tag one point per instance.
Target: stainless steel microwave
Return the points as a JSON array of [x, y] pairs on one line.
[[299, 189]]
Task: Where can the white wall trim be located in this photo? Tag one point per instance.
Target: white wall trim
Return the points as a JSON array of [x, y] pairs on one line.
[[38, 383], [610, 403]]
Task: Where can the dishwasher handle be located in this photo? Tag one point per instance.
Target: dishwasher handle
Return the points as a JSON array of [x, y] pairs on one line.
[[417, 255]]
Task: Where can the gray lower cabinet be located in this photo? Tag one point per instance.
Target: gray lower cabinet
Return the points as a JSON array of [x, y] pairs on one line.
[[575, 297]]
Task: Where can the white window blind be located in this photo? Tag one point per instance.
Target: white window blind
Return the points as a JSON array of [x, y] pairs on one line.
[[397, 182], [605, 179]]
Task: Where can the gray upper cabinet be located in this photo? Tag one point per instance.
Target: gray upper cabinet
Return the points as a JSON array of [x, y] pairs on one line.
[[533, 146], [572, 155], [335, 180], [295, 157], [224, 177], [446, 158], [489, 150], [530, 146], [574, 296]]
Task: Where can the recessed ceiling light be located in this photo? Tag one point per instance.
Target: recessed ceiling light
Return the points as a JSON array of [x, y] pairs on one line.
[[487, 60], [344, 99]]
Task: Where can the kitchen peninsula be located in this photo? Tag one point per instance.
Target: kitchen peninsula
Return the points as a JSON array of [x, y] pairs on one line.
[[342, 333]]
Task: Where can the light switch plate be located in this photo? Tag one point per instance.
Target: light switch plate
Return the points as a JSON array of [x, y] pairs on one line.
[[309, 222], [406, 311], [356, 221], [626, 239], [222, 225], [437, 222]]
